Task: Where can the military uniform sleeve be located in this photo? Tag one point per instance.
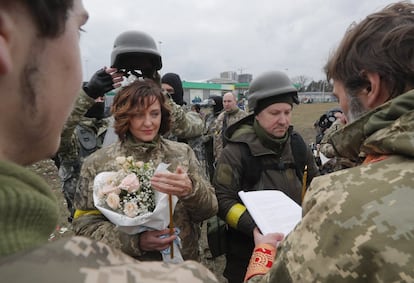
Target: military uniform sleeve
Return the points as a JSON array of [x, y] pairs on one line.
[[79, 259], [184, 125], [66, 148], [217, 135], [227, 182], [202, 202], [91, 223]]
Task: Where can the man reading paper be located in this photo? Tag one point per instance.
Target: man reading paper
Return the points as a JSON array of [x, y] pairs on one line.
[[262, 152]]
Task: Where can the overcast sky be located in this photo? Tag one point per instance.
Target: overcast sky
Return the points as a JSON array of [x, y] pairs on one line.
[[198, 39]]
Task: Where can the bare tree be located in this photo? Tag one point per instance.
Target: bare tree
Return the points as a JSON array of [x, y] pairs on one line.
[[300, 82]]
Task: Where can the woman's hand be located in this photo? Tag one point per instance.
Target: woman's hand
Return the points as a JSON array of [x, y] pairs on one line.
[[151, 241], [271, 238], [177, 183]]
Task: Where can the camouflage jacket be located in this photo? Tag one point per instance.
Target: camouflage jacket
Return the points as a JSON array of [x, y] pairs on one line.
[[80, 259], [335, 162], [231, 118], [69, 144], [184, 124], [189, 212], [358, 223]]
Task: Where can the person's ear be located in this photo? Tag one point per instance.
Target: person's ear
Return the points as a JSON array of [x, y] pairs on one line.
[[5, 50], [375, 93]]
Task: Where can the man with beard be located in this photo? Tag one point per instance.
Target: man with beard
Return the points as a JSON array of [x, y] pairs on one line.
[[358, 223]]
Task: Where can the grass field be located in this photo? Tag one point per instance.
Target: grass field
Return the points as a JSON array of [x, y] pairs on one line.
[[304, 115]]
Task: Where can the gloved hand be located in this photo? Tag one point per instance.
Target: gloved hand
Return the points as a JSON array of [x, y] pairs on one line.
[[100, 83]]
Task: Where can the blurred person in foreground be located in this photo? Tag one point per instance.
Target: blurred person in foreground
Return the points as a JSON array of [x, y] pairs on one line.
[[141, 118], [263, 152], [358, 223], [37, 39]]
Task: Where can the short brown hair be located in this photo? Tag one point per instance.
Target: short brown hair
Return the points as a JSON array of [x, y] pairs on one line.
[[134, 97], [382, 43], [49, 16]]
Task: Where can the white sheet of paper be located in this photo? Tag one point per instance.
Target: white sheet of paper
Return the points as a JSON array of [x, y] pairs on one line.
[[272, 210], [323, 158]]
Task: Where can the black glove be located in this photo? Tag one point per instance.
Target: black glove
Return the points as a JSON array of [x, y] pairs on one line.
[[99, 84]]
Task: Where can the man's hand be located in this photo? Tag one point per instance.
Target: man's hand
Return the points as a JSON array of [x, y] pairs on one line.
[[100, 83]]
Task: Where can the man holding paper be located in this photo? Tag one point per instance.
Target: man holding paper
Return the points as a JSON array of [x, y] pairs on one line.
[[262, 153]]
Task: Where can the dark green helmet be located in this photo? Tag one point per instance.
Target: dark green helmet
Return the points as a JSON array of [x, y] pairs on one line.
[[270, 84], [131, 47]]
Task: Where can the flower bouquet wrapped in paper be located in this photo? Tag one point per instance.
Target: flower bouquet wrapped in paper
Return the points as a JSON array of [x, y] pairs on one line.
[[126, 198]]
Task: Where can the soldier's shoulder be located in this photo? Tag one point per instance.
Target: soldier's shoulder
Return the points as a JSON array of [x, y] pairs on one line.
[[79, 259]]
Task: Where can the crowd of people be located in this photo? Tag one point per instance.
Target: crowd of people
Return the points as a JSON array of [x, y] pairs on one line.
[[356, 225]]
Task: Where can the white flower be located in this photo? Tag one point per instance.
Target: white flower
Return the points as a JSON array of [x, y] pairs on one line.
[[120, 160], [109, 188], [113, 200], [131, 209], [139, 164]]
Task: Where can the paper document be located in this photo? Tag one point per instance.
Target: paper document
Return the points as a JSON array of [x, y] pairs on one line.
[[323, 158], [272, 210]]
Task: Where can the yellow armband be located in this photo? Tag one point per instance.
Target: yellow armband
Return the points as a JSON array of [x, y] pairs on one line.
[[234, 214], [79, 213]]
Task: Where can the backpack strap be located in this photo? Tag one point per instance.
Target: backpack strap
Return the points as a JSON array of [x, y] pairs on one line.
[[299, 151], [87, 140], [253, 165]]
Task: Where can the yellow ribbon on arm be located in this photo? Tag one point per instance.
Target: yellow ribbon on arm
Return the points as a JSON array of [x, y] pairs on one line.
[[234, 214], [79, 213]]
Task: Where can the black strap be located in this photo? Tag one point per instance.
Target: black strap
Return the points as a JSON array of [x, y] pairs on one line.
[[224, 129], [253, 166]]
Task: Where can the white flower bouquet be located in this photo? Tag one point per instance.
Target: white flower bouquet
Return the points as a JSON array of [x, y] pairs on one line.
[[126, 198]]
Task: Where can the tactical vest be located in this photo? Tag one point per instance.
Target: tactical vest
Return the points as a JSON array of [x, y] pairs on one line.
[[87, 140]]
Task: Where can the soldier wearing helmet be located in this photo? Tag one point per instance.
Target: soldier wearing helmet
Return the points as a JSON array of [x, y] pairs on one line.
[[135, 54], [136, 51], [262, 152]]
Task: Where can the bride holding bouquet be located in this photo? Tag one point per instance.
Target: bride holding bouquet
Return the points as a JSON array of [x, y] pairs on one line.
[[141, 119]]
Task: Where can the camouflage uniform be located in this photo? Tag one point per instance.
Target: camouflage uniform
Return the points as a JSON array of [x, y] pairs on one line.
[[232, 117], [184, 125], [358, 223], [336, 162], [79, 259], [190, 211], [70, 153]]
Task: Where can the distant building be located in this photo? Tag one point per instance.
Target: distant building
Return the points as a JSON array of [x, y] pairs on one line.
[[316, 97], [230, 75], [245, 78]]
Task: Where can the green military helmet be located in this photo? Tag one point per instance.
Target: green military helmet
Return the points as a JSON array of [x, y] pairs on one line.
[[135, 50], [270, 84]]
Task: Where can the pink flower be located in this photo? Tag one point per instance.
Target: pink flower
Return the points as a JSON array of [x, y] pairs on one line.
[[113, 201], [130, 183], [109, 188], [131, 209]]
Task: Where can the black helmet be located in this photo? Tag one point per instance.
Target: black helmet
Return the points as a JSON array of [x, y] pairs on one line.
[[129, 49], [270, 84]]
